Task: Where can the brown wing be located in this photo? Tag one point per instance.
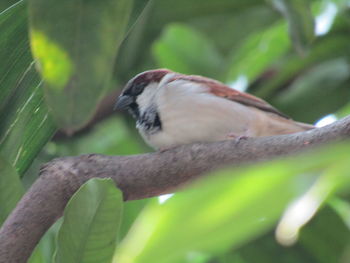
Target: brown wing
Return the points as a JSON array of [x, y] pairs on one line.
[[219, 89]]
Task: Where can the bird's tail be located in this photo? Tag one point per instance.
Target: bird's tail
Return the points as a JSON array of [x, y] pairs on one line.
[[305, 126], [279, 125]]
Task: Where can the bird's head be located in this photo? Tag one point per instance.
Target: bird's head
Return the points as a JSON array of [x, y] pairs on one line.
[[145, 82]]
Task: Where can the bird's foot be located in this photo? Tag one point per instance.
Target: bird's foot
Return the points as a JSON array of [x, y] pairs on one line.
[[164, 149], [236, 137]]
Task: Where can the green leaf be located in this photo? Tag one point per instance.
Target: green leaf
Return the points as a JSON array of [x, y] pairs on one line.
[[185, 50], [25, 125], [75, 44], [11, 189], [90, 224], [36, 257], [219, 213], [300, 21], [258, 52], [225, 210]]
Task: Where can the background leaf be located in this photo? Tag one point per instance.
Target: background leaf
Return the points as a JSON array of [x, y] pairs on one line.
[[258, 52], [75, 54], [325, 87], [182, 49], [316, 236], [90, 224]]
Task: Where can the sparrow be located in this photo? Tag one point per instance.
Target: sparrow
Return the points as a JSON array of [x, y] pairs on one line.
[[173, 109]]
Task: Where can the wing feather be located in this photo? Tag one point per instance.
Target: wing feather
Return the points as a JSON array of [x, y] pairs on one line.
[[221, 90]]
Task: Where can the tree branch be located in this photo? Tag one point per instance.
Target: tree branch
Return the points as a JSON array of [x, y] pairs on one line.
[[140, 176]]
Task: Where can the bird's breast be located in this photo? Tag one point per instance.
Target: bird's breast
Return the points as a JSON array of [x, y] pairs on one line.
[[197, 118]]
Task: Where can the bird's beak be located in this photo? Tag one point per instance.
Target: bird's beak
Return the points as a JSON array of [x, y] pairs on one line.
[[123, 102]]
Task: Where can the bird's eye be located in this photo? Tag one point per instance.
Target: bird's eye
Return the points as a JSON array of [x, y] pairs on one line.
[[138, 88]]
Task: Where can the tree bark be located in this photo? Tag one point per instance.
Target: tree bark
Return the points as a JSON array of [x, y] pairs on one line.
[[140, 176]]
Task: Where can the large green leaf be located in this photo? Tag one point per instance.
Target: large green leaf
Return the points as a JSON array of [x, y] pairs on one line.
[[75, 43], [223, 211], [185, 50], [25, 125], [90, 224], [300, 20], [11, 189], [218, 213]]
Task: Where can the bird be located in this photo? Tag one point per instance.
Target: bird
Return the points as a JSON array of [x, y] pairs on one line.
[[173, 109]]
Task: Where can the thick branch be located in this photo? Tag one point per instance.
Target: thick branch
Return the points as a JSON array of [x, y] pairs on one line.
[[139, 176]]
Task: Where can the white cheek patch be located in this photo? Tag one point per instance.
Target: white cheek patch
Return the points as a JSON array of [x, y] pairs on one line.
[[147, 97]]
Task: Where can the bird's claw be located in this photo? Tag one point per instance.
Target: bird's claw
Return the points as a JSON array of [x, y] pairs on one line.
[[236, 137]]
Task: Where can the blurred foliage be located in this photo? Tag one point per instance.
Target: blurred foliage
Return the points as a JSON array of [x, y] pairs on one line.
[[293, 53], [181, 49], [300, 21], [225, 210]]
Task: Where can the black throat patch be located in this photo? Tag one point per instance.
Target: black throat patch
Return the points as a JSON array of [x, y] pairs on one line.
[[149, 121]]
